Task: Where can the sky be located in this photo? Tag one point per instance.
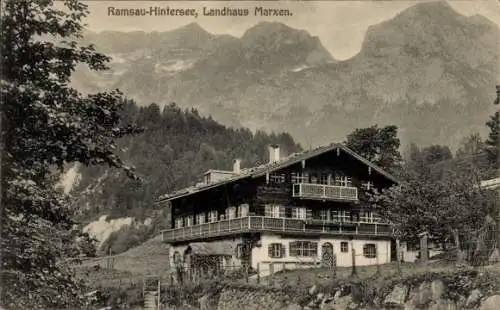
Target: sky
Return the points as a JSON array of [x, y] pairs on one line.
[[340, 25]]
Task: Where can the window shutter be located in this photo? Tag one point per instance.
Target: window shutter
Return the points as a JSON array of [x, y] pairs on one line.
[[282, 252], [270, 250]]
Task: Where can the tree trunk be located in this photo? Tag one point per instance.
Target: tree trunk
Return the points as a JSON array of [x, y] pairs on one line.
[[456, 237]]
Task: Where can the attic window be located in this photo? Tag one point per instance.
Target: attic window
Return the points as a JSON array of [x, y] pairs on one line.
[[368, 185], [277, 178]]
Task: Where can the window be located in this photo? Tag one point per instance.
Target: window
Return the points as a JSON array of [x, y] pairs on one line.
[[314, 178], [277, 178], [276, 250], [344, 247], [189, 220], [243, 210], [323, 178], [370, 250], [299, 213], [365, 216], [295, 177], [239, 250], [177, 258], [323, 215], [200, 218], [231, 212], [303, 248], [368, 185], [274, 211], [342, 180], [212, 216], [178, 223]]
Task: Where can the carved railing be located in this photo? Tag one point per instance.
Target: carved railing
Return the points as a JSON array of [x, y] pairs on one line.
[[271, 224], [325, 192]]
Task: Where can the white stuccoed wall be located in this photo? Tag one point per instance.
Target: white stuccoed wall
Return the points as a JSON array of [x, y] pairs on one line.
[[260, 254]]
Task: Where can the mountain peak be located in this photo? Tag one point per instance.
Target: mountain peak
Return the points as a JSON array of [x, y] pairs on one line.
[[278, 39]]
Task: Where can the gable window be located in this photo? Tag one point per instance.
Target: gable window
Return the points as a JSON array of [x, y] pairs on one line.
[[323, 178], [276, 250], [189, 220], [368, 185], [344, 247], [243, 210], [200, 218], [342, 180], [304, 249], [212, 216], [277, 178], [370, 250], [231, 212], [314, 178], [178, 223]]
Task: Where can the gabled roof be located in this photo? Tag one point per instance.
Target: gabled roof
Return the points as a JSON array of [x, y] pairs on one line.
[[261, 170]]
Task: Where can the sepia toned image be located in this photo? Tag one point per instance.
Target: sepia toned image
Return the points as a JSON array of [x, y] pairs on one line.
[[221, 155]]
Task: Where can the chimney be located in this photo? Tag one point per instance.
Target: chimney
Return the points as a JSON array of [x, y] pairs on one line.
[[236, 165], [274, 153]]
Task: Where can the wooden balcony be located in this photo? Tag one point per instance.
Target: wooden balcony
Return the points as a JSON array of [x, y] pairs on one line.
[[251, 224], [324, 192]]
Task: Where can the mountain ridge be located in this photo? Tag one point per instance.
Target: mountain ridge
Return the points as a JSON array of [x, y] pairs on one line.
[[428, 59]]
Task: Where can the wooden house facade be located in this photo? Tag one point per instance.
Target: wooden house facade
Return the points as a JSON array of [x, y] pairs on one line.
[[307, 208]]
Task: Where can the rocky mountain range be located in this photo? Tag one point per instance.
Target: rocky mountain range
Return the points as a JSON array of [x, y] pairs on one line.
[[429, 70]]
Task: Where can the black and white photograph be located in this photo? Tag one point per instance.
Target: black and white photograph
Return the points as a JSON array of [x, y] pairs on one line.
[[250, 155]]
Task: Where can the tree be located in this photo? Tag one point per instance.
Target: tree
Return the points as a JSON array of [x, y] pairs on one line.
[[493, 141], [451, 207], [471, 145], [46, 124], [378, 145], [435, 154]]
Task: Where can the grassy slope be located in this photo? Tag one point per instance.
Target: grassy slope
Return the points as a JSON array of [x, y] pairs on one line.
[[145, 260]]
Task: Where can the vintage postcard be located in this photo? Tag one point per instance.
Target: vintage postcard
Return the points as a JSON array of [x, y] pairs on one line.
[[250, 154]]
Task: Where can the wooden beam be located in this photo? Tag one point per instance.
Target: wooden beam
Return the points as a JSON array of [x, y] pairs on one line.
[[338, 151], [303, 163], [369, 170]]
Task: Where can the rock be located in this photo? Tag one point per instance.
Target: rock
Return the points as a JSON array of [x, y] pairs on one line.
[[313, 290], [438, 289], [443, 304], [424, 294], [343, 303], [397, 296], [337, 294], [320, 296], [293, 307], [473, 298], [491, 303]]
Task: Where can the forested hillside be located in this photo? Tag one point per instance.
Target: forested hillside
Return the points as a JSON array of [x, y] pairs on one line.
[[176, 147]]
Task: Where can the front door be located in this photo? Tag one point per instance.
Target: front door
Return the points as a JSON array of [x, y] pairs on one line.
[[327, 254]]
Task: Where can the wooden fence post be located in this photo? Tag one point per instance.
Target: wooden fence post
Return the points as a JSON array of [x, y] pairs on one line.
[[354, 271], [258, 273], [398, 259]]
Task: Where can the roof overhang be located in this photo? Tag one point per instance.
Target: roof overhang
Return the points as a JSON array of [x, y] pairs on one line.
[[268, 168]]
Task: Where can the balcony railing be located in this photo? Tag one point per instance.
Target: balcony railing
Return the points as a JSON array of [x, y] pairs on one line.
[[271, 224], [325, 192]]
